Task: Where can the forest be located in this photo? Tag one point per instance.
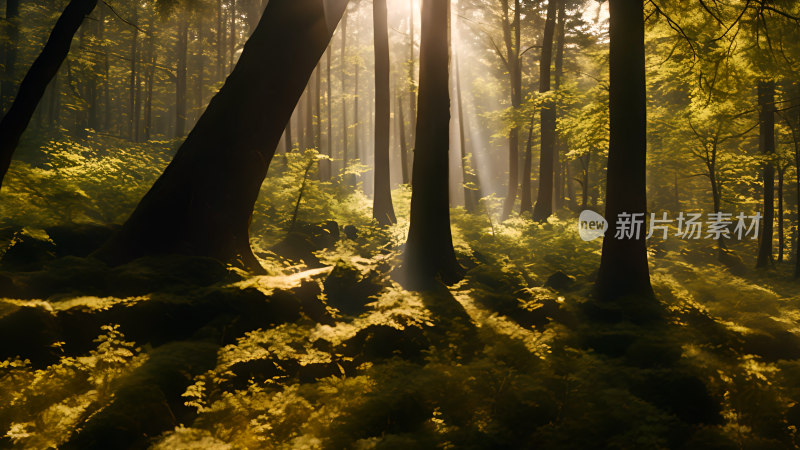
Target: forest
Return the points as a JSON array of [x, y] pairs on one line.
[[400, 224]]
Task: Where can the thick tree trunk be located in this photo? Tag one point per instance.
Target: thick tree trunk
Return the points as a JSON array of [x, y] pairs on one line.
[[544, 199], [766, 144], [203, 202], [429, 250], [623, 264], [7, 86], [382, 208], [180, 81], [40, 74]]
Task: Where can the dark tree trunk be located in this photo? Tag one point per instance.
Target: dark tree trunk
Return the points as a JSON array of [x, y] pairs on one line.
[[401, 131], [560, 178], [133, 118], [325, 165], [544, 199], [318, 110], [766, 144], [288, 141], [527, 162], [345, 126], [429, 250], [515, 74], [7, 86], [43, 70], [382, 208], [180, 81], [203, 202], [356, 124], [623, 264], [781, 240], [470, 181]]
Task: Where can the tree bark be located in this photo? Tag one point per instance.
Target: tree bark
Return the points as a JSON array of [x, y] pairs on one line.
[[325, 165], [8, 83], [42, 71], [345, 126], [781, 242], [429, 250], [203, 202], [401, 131], [382, 208], [180, 81], [766, 144], [623, 265], [544, 199], [133, 124], [470, 181], [560, 178], [515, 75]]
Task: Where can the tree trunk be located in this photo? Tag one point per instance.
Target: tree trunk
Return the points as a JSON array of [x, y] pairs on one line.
[[325, 165], [7, 86], [623, 264], [544, 199], [318, 110], [766, 144], [203, 202], [527, 162], [470, 181], [220, 43], [780, 214], [232, 40], [356, 124], [401, 131], [560, 165], [132, 86], [429, 250], [412, 68], [180, 83], [382, 208], [345, 126], [515, 74], [43, 70]]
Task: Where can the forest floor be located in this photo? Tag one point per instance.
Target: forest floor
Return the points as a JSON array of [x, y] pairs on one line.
[[327, 350]]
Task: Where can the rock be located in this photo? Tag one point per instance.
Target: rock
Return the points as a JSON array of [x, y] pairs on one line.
[[348, 290], [29, 333], [298, 247], [351, 232], [560, 281], [165, 273], [323, 236], [733, 262]]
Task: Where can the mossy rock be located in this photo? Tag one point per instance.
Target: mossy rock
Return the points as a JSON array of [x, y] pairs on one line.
[[349, 291]]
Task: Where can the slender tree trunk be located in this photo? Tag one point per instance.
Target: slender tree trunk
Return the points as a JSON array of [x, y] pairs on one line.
[[40, 74], [544, 199], [318, 110], [429, 251], [780, 214], [180, 84], [356, 124], [326, 164], [289, 142], [623, 264], [8, 84], [527, 162], [401, 131], [412, 67], [766, 143], [203, 202], [232, 40], [471, 192], [220, 43], [345, 125], [515, 74], [561, 178], [132, 87], [106, 71], [382, 208]]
